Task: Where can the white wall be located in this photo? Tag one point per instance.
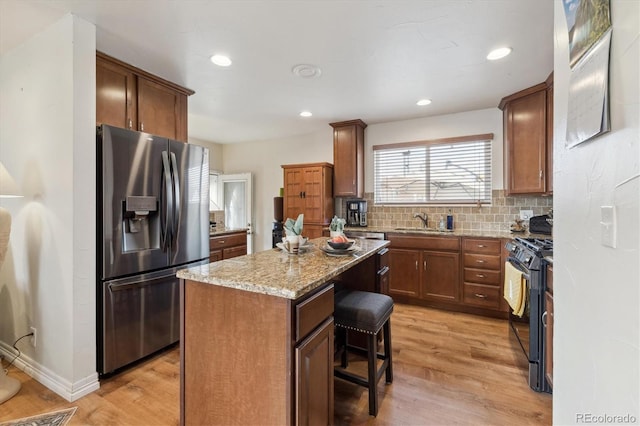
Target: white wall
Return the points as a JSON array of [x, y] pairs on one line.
[[264, 159], [596, 288], [437, 127], [47, 142]]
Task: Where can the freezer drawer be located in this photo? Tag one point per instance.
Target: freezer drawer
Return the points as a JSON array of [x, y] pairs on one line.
[[140, 315]]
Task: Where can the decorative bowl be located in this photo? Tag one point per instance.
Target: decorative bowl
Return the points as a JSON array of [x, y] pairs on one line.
[[340, 246]]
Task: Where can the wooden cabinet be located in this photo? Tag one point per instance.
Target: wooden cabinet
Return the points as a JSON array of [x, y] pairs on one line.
[[424, 267], [482, 272], [348, 158], [405, 278], [308, 190], [548, 332], [227, 246], [131, 98], [253, 358], [528, 135]]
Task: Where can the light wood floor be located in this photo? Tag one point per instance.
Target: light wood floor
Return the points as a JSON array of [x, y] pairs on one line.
[[449, 368]]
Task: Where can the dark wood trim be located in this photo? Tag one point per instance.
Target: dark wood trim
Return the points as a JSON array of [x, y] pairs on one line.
[[357, 122], [469, 138], [288, 166], [538, 87], [146, 74]]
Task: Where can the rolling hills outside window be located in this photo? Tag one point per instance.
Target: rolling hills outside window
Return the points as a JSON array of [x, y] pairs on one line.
[[443, 171]]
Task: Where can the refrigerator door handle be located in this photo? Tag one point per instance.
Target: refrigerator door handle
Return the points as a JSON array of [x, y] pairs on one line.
[[176, 195], [166, 210]]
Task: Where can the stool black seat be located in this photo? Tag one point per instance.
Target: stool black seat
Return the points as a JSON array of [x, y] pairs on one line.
[[365, 312]]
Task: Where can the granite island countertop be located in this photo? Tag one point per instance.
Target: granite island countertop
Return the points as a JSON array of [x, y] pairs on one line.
[[277, 273]]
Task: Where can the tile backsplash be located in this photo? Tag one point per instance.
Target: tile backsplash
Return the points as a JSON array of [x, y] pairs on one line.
[[497, 217]]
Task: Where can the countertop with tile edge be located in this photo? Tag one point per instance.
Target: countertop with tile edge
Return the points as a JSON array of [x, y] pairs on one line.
[[224, 231], [454, 233], [278, 273]]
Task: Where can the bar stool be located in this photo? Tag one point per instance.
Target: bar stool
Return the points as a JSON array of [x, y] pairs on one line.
[[364, 312]]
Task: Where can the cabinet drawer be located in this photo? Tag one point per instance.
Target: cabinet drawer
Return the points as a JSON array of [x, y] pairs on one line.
[[228, 253], [482, 295], [482, 261], [215, 255], [229, 240], [482, 276], [313, 311], [383, 259], [483, 246], [426, 243]]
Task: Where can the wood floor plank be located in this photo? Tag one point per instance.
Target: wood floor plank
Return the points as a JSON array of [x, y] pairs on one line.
[[449, 369]]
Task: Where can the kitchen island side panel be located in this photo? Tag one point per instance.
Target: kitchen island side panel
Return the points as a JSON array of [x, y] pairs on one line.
[[237, 357]]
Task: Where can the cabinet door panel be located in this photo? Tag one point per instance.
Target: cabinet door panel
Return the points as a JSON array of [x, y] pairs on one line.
[[115, 95], [293, 201], [526, 143], [312, 231], [404, 272], [440, 275], [312, 194], [314, 377], [344, 161], [158, 109]]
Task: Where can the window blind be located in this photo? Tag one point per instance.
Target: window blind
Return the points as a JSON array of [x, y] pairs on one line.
[[444, 171]]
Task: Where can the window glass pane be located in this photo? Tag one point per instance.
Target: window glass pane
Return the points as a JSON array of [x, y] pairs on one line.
[[453, 172]]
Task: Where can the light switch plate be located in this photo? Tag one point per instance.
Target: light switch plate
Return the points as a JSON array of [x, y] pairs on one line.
[[608, 226], [526, 214]]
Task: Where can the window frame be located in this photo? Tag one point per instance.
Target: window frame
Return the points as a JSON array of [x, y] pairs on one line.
[[485, 137]]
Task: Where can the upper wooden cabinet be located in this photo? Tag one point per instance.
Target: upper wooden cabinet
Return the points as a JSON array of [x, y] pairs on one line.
[[528, 137], [308, 190], [348, 158], [131, 98]]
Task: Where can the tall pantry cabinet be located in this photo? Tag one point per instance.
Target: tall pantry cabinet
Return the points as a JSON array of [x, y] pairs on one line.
[[131, 98], [308, 189]]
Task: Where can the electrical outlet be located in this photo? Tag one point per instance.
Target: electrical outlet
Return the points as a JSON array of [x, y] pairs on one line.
[[526, 214], [34, 339]]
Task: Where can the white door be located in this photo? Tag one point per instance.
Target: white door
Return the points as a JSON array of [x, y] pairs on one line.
[[236, 193]]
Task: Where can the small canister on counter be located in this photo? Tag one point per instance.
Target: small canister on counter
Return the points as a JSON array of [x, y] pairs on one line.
[[450, 221]]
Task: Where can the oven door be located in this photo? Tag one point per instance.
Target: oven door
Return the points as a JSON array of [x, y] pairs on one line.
[[521, 326]]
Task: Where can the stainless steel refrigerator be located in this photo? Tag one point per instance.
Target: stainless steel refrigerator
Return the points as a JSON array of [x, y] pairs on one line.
[[153, 219]]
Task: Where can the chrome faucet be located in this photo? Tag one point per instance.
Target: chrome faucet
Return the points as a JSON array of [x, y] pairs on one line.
[[423, 218]]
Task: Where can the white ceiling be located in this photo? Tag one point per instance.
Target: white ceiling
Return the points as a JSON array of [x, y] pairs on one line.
[[377, 57]]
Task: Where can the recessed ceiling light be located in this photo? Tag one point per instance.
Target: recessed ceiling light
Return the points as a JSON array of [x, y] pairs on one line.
[[498, 53], [306, 71], [423, 102], [305, 114], [221, 60]]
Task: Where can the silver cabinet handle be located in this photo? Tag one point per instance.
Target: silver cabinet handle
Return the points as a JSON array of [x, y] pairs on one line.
[[481, 246], [479, 261], [416, 265], [425, 265], [481, 296], [480, 275], [544, 318], [141, 126], [130, 124]]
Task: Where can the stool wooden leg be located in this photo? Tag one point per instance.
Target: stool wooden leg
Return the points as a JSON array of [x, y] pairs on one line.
[[372, 364], [387, 351], [344, 362]]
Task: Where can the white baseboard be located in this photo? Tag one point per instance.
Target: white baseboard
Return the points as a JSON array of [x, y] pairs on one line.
[[63, 387]]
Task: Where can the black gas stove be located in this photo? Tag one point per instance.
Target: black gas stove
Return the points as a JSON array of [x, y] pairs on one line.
[[527, 255]]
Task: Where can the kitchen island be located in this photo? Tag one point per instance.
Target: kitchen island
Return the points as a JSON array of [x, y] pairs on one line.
[[257, 336]]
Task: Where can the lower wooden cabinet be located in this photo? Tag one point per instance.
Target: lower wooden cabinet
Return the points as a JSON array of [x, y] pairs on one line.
[[314, 377], [456, 273], [227, 246]]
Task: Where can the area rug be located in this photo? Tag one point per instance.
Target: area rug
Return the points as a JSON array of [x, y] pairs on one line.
[[54, 418]]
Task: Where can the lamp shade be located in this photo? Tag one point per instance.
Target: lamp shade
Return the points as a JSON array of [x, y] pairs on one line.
[[8, 186]]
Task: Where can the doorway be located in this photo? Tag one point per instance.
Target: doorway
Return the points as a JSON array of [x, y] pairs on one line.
[[236, 195]]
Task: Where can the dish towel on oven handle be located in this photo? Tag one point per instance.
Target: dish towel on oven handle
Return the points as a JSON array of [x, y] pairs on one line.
[[515, 292]]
